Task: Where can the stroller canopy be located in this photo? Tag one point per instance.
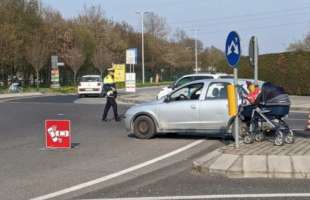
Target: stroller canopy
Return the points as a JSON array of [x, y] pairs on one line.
[[273, 95]]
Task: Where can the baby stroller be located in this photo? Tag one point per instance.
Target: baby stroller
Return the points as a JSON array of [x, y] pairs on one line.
[[265, 116]]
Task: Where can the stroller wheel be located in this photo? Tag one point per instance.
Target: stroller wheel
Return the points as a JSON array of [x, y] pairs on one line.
[[259, 137], [279, 141], [243, 128], [289, 139], [248, 139]]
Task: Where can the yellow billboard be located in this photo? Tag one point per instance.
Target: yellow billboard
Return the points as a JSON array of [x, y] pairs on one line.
[[119, 72]]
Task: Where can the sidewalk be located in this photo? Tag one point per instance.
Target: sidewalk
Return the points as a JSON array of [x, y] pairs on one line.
[[16, 95], [300, 103], [258, 160], [140, 96]]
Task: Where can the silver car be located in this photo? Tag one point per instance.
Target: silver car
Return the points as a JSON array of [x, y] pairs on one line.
[[198, 106]]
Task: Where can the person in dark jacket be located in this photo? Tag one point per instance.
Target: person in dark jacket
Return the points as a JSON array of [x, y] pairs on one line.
[[111, 95]]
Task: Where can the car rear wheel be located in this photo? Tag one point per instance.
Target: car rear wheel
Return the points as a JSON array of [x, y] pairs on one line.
[[144, 127]]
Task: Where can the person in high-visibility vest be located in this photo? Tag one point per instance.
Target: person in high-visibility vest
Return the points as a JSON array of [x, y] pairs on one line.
[[109, 78], [111, 95]]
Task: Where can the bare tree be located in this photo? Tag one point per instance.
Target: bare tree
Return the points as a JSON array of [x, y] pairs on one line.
[[156, 26], [101, 58], [74, 58], [303, 45], [37, 54]]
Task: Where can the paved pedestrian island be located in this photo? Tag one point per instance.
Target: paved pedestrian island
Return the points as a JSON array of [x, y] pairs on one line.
[[258, 160]]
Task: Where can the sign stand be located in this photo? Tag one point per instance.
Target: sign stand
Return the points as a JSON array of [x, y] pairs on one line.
[[233, 53], [57, 134], [131, 60]]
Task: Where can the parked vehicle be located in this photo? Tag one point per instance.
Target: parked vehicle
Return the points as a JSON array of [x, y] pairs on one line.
[[188, 78], [199, 106], [15, 88], [90, 85]]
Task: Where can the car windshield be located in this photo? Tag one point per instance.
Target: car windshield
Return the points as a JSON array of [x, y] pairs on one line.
[[226, 77], [90, 79], [184, 81]]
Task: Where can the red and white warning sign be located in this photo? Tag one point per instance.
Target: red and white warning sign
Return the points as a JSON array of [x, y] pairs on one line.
[[57, 134]]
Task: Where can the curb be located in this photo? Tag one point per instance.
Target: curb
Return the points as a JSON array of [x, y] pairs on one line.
[[130, 100], [20, 95], [299, 108], [238, 165]]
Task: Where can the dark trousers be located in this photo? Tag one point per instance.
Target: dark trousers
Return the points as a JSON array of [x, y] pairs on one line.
[[110, 102]]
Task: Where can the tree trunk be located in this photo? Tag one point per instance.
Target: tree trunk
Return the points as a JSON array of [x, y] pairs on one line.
[[38, 83], [74, 78]]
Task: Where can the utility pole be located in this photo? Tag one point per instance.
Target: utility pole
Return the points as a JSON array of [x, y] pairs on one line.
[[141, 13], [196, 50]]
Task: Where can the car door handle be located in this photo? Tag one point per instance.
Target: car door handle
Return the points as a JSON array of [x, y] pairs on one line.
[[193, 106]]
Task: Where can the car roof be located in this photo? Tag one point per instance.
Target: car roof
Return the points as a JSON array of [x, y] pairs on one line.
[[86, 76], [227, 80], [205, 74]]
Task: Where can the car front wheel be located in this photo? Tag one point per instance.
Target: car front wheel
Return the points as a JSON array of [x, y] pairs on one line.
[[144, 127]]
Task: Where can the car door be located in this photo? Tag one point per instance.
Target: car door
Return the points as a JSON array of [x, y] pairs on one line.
[[180, 112], [213, 110]]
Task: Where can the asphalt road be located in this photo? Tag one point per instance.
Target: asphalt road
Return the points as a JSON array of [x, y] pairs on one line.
[[101, 149]]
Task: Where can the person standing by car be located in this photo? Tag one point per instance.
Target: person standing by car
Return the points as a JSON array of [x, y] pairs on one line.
[[254, 91], [111, 95]]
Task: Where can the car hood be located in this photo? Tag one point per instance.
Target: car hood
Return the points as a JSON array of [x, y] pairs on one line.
[[144, 106], [149, 103]]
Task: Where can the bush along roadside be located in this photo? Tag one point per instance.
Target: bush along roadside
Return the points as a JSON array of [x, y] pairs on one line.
[[291, 70]]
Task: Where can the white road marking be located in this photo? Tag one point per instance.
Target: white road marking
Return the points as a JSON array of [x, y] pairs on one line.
[[300, 111], [216, 196], [117, 174], [298, 129], [293, 119]]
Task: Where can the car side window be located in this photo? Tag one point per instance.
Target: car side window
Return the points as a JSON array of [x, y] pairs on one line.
[[217, 91], [183, 81], [189, 92]]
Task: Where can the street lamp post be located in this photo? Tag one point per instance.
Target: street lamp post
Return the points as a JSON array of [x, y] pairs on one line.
[[142, 45], [196, 52]]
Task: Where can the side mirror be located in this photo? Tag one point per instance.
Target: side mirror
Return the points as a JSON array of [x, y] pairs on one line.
[[167, 99]]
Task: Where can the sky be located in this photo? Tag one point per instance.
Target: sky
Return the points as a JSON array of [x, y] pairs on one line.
[[276, 23]]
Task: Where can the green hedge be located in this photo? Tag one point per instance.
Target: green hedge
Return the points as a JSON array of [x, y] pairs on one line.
[[290, 70]]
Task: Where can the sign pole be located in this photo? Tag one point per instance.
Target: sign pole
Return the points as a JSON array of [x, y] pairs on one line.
[[256, 62], [233, 54], [236, 123]]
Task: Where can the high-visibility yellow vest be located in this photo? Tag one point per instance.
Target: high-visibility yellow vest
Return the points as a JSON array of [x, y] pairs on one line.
[[108, 80]]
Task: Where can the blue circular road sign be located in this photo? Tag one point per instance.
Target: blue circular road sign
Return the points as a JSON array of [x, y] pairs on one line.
[[233, 49]]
